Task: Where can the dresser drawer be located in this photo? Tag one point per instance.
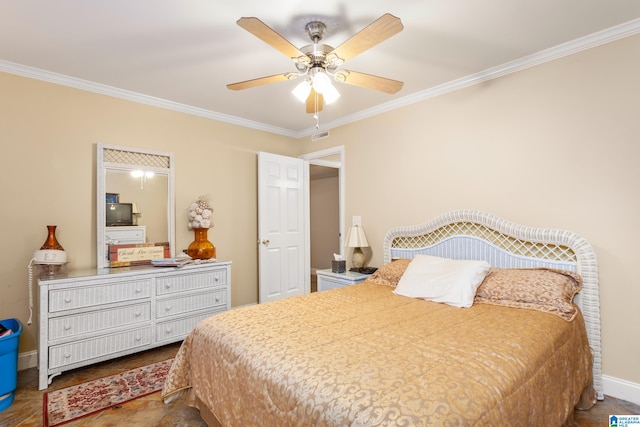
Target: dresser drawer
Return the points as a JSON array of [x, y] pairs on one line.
[[190, 281], [326, 284], [125, 234], [330, 280], [92, 295], [185, 304], [95, 321], [180, 328], [68, 354]]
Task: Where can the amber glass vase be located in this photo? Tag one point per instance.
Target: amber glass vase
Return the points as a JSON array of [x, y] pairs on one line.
[[51, 269], [51, 242], [201, 248]]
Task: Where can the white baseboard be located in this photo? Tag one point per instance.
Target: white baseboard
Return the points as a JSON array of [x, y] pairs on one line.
[[244, 305], [27, 360], [621, 389]]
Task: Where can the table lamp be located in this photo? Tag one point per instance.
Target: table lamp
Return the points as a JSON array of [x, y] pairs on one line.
[[357, 240]]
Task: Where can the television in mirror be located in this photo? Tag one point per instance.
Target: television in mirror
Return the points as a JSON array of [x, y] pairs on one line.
[[118, 214]]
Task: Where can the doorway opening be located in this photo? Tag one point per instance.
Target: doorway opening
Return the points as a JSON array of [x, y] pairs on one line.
[[326, 208]]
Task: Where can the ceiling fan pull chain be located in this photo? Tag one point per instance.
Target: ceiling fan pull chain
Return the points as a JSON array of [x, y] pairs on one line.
[[316, 115]]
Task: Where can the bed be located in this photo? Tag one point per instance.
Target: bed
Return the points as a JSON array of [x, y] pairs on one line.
[[368, 355]]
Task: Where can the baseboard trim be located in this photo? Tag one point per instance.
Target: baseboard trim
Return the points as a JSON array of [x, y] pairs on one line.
[[28, 359], [244, 305], [621, 389]]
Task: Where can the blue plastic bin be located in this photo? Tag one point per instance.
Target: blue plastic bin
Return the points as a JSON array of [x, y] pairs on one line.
[[9, 362]]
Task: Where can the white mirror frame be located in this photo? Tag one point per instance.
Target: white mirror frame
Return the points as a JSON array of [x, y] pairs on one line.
[[161, 163]]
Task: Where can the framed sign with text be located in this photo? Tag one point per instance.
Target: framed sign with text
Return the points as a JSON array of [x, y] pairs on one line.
[[137, 253]]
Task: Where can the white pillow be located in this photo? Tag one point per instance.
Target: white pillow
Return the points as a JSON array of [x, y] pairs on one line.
[[445, 280]]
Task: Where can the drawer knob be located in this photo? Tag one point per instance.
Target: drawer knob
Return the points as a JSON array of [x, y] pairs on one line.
[[67, 327], [67, 300], [138, 290], [168, 330], [67, 355], [167, 286], [137, 313], [217, 299], [217, 279], [138, 338], [167, 308]]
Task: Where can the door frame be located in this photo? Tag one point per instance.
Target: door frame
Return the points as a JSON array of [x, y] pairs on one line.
[[318, 158]]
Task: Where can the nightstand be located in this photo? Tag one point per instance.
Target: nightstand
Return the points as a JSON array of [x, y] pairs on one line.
[[330, 280]]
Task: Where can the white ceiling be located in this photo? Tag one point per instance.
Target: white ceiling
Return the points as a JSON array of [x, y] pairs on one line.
[[180, 54]]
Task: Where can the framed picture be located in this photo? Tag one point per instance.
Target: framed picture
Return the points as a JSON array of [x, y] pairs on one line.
[[137, 253], [113, 198]]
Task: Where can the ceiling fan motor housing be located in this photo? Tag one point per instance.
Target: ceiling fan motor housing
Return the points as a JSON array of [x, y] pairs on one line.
[[317, 53]]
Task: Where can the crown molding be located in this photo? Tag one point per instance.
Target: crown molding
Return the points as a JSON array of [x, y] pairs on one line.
[[64, 80], [593, 40]]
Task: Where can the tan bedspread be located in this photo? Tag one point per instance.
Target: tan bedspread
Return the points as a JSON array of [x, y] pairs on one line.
[[361, 356]]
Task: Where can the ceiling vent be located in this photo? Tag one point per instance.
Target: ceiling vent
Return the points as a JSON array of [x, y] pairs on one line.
[[319, 136]]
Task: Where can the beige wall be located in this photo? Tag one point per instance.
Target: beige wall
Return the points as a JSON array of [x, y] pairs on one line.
[[552, 146], [556, 146], [47, 176]]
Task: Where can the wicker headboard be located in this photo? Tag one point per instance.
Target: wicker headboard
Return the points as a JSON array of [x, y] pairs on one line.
[[468, 234]]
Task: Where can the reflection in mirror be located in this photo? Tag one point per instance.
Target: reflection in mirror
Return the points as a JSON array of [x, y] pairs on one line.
[[143, 179], [149, 198]]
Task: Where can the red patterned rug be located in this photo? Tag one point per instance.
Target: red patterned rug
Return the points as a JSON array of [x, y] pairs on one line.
[[71, 403]]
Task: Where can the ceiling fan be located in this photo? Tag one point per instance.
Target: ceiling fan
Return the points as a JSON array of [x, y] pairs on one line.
[[318, 62]]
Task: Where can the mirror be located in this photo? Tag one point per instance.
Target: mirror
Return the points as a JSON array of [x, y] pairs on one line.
[[144, 179]]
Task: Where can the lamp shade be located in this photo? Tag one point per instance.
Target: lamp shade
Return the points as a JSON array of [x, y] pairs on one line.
[[357, 238], [321, 82], [301, 91], [330, 94]]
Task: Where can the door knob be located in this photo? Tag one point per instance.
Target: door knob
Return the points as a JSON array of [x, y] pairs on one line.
[[265, 242]]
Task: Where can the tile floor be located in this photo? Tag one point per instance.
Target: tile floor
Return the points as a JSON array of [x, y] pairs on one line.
[[150, 411]]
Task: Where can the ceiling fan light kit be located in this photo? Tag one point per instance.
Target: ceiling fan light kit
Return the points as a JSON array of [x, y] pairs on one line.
[[319, 62], [301, 91], [319, 81]]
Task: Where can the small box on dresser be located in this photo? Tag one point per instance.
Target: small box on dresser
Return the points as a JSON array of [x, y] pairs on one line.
[[338, 266], [96, 315]]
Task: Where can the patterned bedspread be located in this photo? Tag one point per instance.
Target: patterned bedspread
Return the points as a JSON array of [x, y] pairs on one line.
[[361, 356]]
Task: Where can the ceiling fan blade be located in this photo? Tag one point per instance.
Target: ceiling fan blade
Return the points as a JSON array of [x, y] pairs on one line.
[[311, 102], [376, 32], [261, 81], [269, 36], [368, 81]]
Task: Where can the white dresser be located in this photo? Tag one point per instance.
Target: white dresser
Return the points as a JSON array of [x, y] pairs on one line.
[[91, 316], [330, 280]]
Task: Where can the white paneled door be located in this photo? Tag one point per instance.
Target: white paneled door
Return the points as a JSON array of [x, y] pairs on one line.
[[282, 227]]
